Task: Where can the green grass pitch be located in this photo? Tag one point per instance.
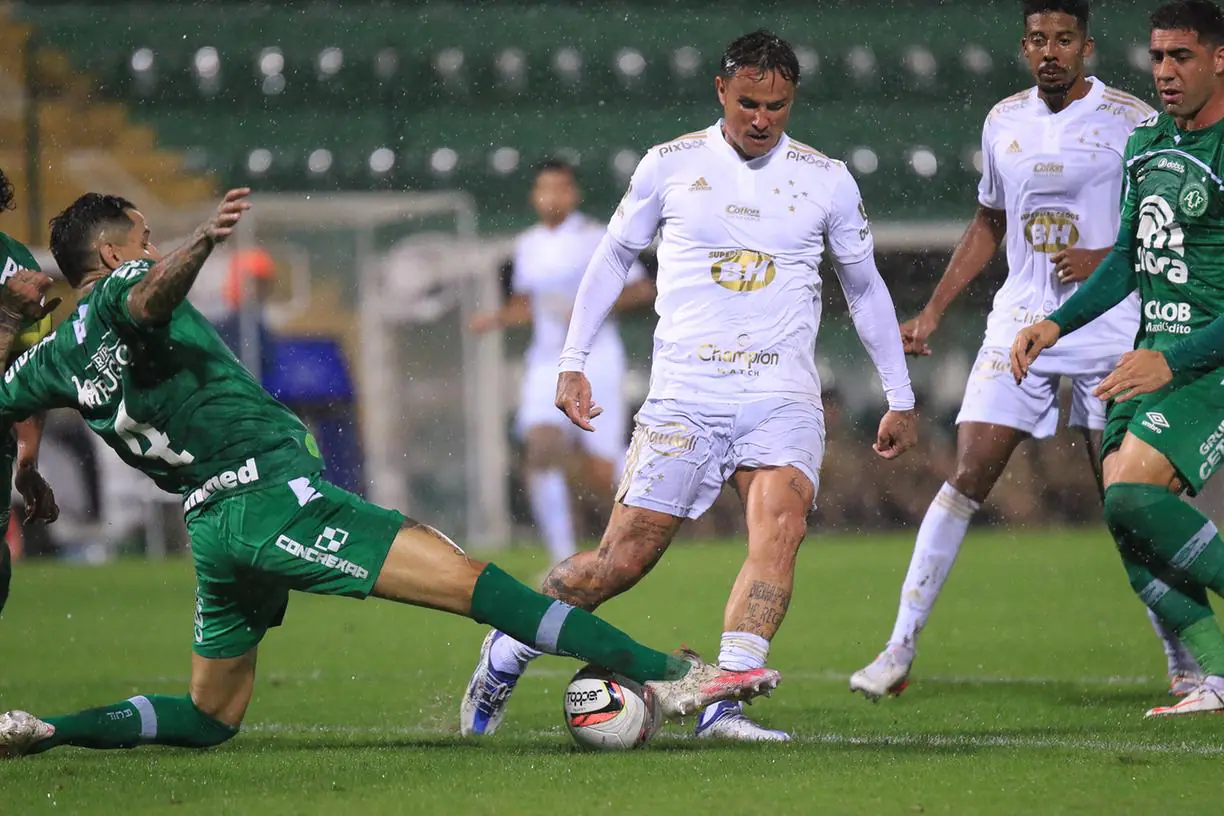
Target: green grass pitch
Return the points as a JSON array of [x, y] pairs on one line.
[[1027, 698]]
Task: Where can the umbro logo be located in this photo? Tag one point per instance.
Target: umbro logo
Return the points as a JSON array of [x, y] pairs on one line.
[[1155, 421], [1014, 147], [700, 185]]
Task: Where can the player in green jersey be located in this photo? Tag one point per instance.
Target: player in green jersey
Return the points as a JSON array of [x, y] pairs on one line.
[[152, 378], [1164, 434], [22, 442]]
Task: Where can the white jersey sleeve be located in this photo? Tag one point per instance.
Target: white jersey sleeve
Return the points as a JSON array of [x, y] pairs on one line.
[[847, 230], [990, 188], [875, 320], [636, 220], [601, 285], [848, 237]]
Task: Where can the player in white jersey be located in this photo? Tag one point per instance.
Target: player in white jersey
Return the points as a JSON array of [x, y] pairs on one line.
[[746, 214], [549, 260], [1051, 182]]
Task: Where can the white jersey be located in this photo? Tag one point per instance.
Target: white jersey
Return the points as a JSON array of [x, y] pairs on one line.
[[1058, 176], [738, 284], [548, 267]]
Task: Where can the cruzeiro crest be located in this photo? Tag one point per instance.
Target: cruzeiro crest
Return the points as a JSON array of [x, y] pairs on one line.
[[1193, 199]]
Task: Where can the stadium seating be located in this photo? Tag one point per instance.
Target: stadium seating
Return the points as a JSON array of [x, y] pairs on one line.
[[429, 96]]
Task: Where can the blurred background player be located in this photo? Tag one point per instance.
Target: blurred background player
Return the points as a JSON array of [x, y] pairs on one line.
[[734, 390], [250, 280], [549, 260], [20, 443], [1166, 404], [1051, 177]]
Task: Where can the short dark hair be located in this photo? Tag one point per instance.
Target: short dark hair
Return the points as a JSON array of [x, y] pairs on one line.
[[555, 165], [1079, 9], [8, 196], [762, 50], [75, 231], [1203, 17]]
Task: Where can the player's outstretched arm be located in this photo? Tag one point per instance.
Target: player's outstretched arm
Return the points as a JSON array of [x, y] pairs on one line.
[[154, 299], [977, 246], [516, 311]]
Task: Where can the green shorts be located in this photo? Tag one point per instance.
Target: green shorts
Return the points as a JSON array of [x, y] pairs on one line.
[[1184, 421], [252, 548]]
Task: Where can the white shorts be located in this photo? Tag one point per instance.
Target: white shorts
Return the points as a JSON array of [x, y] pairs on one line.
[[992, 395], [537, 406], [682, 453]]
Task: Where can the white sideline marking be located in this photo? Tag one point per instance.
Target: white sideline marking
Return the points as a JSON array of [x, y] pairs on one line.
[[901, 740]]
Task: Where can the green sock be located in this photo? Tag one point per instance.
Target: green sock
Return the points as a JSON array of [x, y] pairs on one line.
[[1180, 536], [558, 628], [1183, 607], [6, 572], [155, 719], [1205, 641]]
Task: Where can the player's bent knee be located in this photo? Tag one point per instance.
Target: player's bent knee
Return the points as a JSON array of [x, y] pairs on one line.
[[1138, 577], [186, 725], [792, 527], [1128, 504], [972, 482]]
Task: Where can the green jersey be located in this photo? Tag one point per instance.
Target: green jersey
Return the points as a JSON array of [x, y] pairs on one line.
[[170, 399], [13, 256], [1173, 211]]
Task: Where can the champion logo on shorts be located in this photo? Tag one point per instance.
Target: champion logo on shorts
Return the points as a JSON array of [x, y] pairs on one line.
[[1155, 421], [331, 539]]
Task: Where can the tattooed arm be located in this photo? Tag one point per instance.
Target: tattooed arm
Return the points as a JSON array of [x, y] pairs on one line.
[[22, 299], [159, 293]]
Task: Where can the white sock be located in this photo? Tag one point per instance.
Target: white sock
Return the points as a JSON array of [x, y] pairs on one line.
[[509, 656], [939, 540], [1180, 660], [550, 506], [740, 651]]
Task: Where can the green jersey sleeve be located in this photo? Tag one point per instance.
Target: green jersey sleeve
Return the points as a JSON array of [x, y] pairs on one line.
[[110, 299], [33, 383]]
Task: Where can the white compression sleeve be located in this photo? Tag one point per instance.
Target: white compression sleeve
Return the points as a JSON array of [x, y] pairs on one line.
[[602, 284], [875, 320]]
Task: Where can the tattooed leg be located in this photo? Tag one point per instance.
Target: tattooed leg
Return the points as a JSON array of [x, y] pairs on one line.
[[776, 504], [633, 543]]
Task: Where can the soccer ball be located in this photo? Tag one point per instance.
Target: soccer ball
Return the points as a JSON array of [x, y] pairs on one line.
[[608, 712]]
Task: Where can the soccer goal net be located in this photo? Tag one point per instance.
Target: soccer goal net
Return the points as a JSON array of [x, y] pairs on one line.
[[396, 277]]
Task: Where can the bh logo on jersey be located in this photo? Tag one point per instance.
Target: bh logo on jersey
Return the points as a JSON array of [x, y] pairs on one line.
[[1161, 241], [742, 270], [1051, 232]]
